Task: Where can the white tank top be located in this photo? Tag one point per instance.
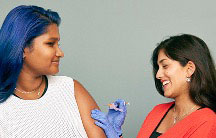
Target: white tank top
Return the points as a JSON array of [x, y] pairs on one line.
[[54, 115]]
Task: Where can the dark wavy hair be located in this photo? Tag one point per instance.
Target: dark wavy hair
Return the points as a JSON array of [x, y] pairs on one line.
[[20, 27], [184, 48]]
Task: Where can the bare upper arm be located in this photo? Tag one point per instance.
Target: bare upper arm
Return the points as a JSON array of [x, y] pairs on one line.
[[86, 103]]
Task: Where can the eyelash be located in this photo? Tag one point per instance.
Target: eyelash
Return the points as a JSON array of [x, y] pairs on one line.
[[50, 43], [165, 66]]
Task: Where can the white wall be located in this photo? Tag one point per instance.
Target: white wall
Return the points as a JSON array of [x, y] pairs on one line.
[[108, 45]]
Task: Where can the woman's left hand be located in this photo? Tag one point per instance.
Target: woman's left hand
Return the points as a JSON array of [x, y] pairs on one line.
[[113, 121], [103, 122], [116, 116]]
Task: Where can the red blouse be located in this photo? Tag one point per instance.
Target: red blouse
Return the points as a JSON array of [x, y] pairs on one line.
[[199, 124]]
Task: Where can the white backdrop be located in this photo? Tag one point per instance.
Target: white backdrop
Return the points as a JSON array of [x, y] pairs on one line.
[[108, 45]]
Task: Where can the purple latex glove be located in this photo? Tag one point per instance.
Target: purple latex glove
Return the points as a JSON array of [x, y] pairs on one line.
[[112, 122], [117, 116], [103, 122]]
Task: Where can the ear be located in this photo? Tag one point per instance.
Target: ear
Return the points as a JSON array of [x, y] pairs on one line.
[[26, 52], [24, 55], [190, 68]]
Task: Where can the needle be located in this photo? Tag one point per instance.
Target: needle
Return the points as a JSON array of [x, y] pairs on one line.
[[113, 106]]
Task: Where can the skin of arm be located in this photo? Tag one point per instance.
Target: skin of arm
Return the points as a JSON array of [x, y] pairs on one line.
[[86, 103]]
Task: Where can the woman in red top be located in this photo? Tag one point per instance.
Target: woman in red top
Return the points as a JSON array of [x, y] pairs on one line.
[[184, 71]]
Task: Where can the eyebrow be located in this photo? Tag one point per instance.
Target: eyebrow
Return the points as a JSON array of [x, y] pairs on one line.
[[54, 38], [162, 60]]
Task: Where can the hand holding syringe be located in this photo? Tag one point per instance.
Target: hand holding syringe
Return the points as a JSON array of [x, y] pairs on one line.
[[113, 120]]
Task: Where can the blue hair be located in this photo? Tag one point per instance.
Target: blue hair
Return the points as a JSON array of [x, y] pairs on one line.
[[20, 27]]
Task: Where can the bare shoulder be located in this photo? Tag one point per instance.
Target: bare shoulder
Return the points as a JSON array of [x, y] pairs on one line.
[[83, 97], [80, 91], [86, 103]]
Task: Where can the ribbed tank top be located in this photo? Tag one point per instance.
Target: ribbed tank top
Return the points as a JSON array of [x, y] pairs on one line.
[[54, 115]]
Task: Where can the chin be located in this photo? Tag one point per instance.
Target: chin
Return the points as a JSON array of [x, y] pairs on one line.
[[168, 95], [53, 72]]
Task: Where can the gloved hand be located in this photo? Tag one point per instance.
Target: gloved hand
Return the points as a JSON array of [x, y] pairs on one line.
[[112, 122], [103, 122], [117, 116]]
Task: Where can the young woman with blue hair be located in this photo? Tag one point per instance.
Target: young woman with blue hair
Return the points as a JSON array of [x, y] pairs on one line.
[[33, 103]]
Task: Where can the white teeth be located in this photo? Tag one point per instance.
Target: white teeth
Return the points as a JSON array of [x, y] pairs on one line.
[[165, 82]]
